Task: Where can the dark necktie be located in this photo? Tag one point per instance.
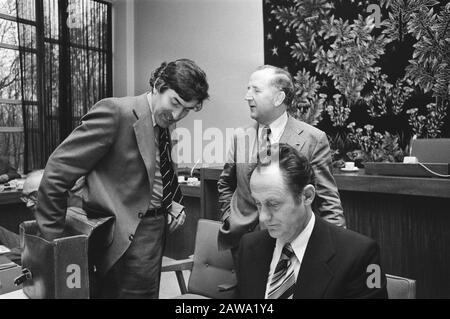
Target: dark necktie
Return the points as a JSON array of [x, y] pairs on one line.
[[171, 189], [283, 279]]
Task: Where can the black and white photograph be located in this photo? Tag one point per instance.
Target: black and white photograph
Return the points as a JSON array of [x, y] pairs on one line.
[[224, 150]]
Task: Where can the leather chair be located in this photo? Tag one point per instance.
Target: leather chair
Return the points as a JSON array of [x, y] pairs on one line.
[[400, 287], [212, 271]]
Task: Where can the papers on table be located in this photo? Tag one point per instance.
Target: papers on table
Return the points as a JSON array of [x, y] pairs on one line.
[[4, 250]]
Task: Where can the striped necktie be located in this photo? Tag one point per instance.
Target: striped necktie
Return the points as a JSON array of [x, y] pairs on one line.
[[171, 189], [265, 146], [283, 279]]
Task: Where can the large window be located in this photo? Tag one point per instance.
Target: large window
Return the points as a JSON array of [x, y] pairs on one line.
[[55, 63]]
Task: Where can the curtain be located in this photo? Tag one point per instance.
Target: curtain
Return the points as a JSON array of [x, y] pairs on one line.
[[65, 68]]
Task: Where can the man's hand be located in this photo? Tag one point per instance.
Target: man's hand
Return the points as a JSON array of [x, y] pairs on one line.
[[4, 178], [176, 222]]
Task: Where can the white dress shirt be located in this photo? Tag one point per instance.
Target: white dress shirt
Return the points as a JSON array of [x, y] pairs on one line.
[[276, 128], [157, 191], [298, 245], [149, 99]]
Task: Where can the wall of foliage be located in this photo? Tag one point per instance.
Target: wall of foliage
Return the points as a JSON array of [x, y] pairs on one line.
[[372, 74]]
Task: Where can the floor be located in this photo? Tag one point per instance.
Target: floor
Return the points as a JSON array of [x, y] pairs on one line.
[[168, 288], [169, 285]]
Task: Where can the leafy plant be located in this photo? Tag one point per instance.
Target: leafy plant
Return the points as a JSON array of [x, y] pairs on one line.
[[387, 98], [338, 111], [350, 61], [428, 125], [401, 14], [346, 54], [430, 67], [374, 146], [308, 104], [305, 18]]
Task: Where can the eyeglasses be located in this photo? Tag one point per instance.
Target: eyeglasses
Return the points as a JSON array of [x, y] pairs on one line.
[[26, 198]]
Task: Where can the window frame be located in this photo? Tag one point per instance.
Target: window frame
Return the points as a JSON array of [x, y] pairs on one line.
[[65, 117]]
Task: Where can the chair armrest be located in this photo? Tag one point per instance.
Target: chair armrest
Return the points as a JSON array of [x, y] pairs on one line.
[[226, 287], [177, 265]]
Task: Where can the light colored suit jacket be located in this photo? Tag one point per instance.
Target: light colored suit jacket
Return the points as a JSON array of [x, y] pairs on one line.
[[239, 212], [114, 148]]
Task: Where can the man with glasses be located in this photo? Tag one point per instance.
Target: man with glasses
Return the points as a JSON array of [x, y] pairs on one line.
[[122, 149], [30, 189], [270, 92], [10, 239]]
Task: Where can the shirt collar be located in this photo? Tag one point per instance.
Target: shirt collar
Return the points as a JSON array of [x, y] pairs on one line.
[[149, 99], [301, 241], [276, 127]]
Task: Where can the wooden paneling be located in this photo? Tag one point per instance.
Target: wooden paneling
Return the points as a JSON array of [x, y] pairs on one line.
[[209, 204], [190, 191], [413, 233]]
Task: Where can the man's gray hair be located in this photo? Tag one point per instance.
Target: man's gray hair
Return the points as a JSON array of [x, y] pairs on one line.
[[282, 80]]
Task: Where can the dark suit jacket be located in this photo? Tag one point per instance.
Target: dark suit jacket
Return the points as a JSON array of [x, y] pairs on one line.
[[114, 149], [334, 264], [239, 212]]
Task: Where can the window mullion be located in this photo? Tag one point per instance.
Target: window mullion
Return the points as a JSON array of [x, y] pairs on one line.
[[109, 90], [65, 111], [40, 58]]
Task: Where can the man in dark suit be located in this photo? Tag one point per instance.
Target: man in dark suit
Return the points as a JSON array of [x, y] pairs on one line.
[[299, 255], [122, 148], [270, 91]]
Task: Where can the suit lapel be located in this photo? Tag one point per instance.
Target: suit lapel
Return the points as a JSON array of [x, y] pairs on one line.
[[145, 135], [315, 274], [292, 135]]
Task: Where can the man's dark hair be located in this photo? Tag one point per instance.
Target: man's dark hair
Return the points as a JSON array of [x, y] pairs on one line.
[[282, 80], [184, 77], [295, 167]]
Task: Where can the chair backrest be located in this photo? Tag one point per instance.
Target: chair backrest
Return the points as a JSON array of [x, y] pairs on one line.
[[211, 267], [433, 150], [400, 287]]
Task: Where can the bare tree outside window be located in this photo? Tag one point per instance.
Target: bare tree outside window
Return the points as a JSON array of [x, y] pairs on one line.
[[55, 63], [11, 115]]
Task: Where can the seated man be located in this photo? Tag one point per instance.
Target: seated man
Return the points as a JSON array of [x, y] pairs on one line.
[[299, 255], [7, 171], [10, 239]]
